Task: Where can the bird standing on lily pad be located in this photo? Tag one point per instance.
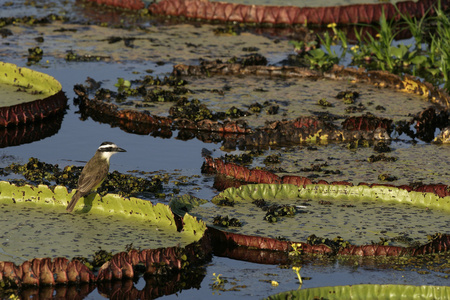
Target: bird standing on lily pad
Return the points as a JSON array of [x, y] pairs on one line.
[[94, 172]]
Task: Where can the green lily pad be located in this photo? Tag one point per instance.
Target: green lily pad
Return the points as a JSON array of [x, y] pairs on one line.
[[336, 162], [27, 95], [24, 85], [358, 214], [35, 223], [368, 291]]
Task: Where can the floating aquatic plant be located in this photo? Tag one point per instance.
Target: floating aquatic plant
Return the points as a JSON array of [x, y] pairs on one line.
[[31, 201]]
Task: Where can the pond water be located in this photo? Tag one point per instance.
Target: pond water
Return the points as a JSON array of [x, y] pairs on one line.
[[77, 139]]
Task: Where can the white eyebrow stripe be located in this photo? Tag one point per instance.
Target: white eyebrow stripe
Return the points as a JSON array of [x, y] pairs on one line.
[[108, 146]]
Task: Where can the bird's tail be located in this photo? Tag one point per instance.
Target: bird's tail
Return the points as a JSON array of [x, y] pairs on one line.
[[73, 202]]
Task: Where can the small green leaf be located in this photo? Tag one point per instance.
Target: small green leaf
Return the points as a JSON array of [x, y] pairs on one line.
[[418, 60], [317, 53]]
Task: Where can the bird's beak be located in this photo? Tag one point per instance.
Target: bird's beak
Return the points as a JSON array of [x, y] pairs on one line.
[[120, 150]]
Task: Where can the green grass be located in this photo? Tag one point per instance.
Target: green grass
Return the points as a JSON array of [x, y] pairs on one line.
[[427, 56]]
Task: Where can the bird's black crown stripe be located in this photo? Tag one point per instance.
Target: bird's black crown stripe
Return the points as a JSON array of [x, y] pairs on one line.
[[107, 143], [109, 149]]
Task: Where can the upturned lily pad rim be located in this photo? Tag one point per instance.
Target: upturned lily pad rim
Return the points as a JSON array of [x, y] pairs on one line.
[[24, 77], [51, 102], [324, 191], [367, 291], [275, 14]]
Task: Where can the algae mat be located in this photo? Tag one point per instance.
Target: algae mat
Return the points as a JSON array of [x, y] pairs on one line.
[[360, 215]]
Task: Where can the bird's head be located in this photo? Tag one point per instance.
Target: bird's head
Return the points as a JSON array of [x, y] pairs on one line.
[[107, 149]]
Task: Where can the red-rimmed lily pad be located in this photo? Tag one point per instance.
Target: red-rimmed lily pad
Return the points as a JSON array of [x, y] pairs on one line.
[[368, 291], [28, 95], [35, 224], [328, 211], [357, 169], [318, 12], [256, 119]]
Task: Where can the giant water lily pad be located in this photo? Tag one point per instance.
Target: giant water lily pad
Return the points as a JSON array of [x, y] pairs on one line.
[[352, 162], [358, 214], [96, 43], [260, 101], [324, 109], [296, 97], [368, 291], [291, 12], [28, 95], [35, 224]]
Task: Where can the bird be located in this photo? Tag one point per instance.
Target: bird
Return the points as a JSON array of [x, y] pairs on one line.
[[94, 172]]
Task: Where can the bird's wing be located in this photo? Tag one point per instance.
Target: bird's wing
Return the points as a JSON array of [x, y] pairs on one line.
[[91, 179]]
